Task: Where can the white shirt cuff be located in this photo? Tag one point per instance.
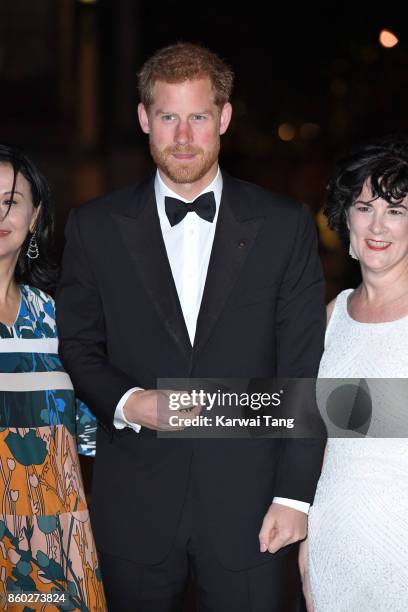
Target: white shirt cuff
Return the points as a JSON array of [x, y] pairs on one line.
[[292, 503], [119, 419]]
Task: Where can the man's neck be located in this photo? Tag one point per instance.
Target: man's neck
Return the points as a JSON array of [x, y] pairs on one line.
[[189, 191]]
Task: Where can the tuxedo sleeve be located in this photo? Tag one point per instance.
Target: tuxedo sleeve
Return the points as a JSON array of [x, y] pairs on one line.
[[300, 338], [81, 328]]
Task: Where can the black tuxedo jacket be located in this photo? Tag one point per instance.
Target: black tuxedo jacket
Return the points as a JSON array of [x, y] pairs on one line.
[[121, 326]]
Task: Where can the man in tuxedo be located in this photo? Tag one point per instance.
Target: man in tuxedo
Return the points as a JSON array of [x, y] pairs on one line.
[[191, 274]]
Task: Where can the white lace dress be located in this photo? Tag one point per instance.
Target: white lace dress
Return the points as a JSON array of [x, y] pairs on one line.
[[358, 524]]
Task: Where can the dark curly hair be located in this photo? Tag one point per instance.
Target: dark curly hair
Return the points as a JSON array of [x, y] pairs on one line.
[[40, 272], [384, 162]]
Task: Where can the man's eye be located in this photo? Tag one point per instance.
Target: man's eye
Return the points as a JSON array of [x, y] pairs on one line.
[[198, 117], [363, 208], [167, 118], [395, 211], [9, 202]]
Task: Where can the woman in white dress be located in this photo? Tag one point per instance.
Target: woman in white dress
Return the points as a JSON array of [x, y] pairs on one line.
[[356, 555]]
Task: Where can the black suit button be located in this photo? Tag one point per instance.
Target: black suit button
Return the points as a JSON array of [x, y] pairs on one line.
[[242, 244]]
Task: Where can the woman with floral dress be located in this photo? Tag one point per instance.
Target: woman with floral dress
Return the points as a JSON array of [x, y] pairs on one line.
[[48, 559]]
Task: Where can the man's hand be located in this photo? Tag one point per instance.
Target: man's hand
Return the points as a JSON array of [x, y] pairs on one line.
[[151, 408], [281, 526]]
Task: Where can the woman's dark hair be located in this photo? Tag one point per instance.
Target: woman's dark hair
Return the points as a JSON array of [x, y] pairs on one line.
[[40, 272], [384, 162]]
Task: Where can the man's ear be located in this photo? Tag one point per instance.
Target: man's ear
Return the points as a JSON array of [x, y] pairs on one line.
[[143, 118], [225, 118], [34, 218]]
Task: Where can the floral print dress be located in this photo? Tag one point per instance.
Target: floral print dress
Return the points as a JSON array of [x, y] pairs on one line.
[[46, 542]]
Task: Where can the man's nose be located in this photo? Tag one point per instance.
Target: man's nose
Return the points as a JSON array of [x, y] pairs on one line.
[[183, 133]]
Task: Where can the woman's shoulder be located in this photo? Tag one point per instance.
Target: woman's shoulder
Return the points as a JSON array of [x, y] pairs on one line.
[[339, 303]]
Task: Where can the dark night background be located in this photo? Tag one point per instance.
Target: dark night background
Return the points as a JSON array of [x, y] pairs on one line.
[[68, 92]]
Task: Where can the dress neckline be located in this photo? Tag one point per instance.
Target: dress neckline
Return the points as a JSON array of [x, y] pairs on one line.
[[348, 293]]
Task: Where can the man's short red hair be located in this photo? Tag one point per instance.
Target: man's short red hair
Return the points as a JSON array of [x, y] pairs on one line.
[[185, 62]]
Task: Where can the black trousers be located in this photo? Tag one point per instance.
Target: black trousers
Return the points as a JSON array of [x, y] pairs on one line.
[[130, 587]]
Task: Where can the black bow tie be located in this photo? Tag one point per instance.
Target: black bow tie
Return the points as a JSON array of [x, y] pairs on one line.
[[204, 206]]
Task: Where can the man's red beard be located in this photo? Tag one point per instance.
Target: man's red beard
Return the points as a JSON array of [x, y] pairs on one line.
[[188, 172]]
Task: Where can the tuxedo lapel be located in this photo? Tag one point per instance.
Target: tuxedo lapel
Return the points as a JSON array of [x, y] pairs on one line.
[[139, 227], [237, 228]]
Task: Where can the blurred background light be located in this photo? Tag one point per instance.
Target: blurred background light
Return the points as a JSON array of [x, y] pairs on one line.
[[328, 238], [286, 132], [388, 39]]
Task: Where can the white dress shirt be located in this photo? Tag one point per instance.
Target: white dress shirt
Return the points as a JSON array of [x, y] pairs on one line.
[[188, 245]]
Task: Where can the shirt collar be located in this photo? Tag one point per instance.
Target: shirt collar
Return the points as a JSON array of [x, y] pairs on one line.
[[162, 190]]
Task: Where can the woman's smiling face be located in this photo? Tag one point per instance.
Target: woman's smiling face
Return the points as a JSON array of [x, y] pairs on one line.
[[17, 213], [378, 231]]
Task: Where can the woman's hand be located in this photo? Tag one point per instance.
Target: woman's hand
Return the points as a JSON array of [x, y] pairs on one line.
[[304, 575]]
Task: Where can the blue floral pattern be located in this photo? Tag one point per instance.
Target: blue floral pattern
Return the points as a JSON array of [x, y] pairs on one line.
[[46, 542]]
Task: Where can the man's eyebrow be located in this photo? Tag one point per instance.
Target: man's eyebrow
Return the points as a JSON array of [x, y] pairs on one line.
[[201, 112]]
